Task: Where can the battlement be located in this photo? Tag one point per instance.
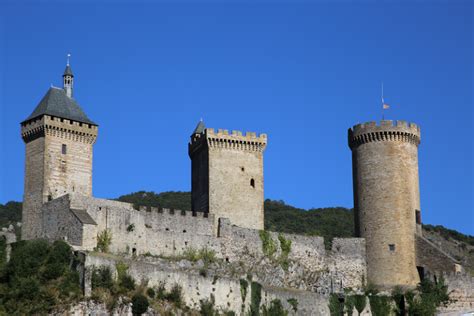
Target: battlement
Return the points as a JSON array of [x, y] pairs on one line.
[[386, 130], [59, 127], [249, 141], [168, 211]]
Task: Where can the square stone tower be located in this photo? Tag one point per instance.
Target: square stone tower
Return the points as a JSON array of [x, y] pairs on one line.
[[227, 175], [59, 139]]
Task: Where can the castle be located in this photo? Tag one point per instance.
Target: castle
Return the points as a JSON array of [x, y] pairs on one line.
[[227, 202]]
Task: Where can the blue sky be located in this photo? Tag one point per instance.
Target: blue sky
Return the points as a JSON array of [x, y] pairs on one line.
[[302, 72]]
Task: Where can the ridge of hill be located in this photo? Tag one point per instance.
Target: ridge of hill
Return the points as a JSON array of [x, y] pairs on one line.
[[327, 222]]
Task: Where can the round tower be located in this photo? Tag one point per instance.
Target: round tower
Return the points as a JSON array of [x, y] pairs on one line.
[[387, 199]]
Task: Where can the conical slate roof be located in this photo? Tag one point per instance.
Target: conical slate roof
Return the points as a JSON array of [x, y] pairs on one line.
[[68, 71], [57, 103], [199, 128]]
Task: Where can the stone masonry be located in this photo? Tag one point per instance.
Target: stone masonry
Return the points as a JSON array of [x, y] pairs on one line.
[[386, 198], [227, 175], [58, 161]]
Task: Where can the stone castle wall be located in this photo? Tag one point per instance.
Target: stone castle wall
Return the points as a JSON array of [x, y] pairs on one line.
[[461, 292], [434, 261], [227, 291], [156, 232], [60, 223], [386, 198], [33, 189], [148, 230]]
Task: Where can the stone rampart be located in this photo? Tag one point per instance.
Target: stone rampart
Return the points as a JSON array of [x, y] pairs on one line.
[[306, 265], [226, 291], [433, 259], [148, 230], [461, 292]]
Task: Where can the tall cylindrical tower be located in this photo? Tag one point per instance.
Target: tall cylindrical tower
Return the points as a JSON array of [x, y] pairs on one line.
[[387, 198]]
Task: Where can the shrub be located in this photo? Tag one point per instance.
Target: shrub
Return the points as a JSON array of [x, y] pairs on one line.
[[70, 285], [294, 304], [101, 278], [244, 284], [175, 295], [379, 305], [255, 298], [125, 281], [349, 303], [206, 307], [104, 239], [268, 244], [58, 261], [207, 255], [139, 304], [150, 292], [161, 291], [275, 309], [359, 302], [190, 254], [285, 245], [3, 251], [336, 307], [430, 297], [27, 257]]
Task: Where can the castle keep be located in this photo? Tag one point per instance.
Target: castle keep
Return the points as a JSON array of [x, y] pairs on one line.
[[227, 175], [227, 214], [59, 139]]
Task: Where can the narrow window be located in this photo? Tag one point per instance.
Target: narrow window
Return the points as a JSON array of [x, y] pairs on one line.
[[391, 247], [252, 183], [134, 252], [242, 169], [418, 217], [64, 149]]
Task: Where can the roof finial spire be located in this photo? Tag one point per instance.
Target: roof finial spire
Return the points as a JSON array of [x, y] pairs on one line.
[[68, 56]]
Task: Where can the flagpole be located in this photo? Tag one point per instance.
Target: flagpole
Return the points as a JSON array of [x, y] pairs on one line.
[[383, 114]]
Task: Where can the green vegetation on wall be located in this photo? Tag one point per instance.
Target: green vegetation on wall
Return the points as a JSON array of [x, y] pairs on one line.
[[104, 239], [268, 244], [336, 306], [255, 298], [275, 309]]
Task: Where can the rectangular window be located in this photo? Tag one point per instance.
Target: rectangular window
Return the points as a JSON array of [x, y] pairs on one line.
[[64, 149], [391, 247], [418, 217]]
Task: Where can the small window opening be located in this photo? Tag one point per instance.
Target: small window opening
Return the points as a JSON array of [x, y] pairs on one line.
[[252, 183], [64, 149], [134, 251], [421, 272], [418, 217], [167, 229], [226, 259], [184, 230], [242, 169], [50, 197], [391, 247]]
